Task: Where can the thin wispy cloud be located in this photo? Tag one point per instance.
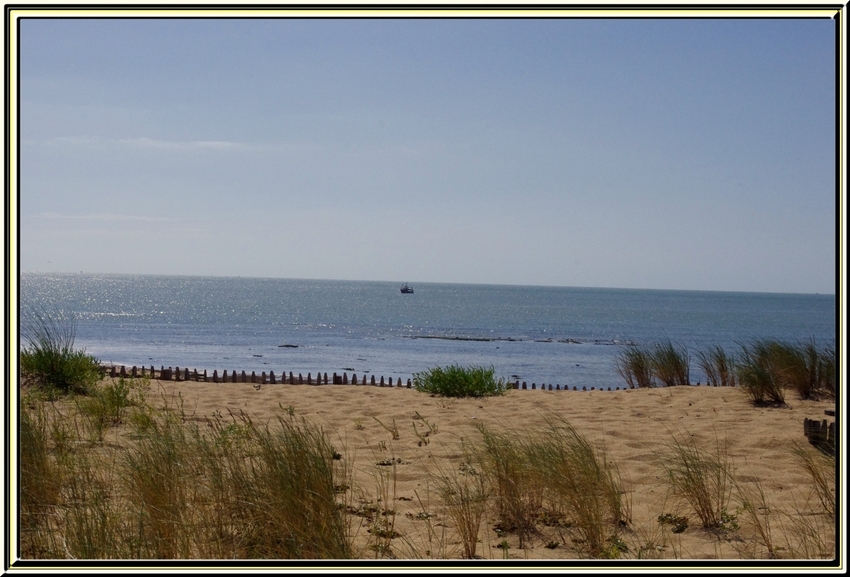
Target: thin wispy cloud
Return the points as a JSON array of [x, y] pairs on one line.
[[185, 144], [144, 142], [108, 217]]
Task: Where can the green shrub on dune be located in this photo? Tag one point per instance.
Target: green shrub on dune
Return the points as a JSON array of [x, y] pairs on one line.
[[49, 359], [456, 381]]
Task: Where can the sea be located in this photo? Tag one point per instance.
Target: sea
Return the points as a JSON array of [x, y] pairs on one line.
[[564, 336]]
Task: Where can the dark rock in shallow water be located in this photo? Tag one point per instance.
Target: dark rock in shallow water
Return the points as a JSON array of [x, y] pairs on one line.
[[287, 346]]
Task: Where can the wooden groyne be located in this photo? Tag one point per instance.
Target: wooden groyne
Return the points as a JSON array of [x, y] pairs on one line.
[[821, 433], [284, 378]]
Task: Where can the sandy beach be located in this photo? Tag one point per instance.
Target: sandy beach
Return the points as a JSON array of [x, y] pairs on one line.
[[634, 427]]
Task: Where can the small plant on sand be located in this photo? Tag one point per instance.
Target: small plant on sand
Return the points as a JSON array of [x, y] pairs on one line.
[[431, 429], [391, 430], [702, 479], [718, 366], [456, 381], [634, 364], [105, 406], [48, 359]]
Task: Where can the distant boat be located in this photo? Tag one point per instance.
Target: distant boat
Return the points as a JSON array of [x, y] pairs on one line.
[[406, 289]]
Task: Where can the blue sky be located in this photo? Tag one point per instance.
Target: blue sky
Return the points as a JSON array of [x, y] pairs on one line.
[[673, 154]]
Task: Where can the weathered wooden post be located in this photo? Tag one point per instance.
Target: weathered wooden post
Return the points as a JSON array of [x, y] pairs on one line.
[[373, 380], [382, 381], [354, 378], [409, 383], [215, 375], [271, 378], [345, 379]]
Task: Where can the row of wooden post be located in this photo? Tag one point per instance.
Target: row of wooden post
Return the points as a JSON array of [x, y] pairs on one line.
[[178, 374], [168, 374]]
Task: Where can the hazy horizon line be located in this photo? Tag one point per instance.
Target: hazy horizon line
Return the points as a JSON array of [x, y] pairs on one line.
[[832, 294]]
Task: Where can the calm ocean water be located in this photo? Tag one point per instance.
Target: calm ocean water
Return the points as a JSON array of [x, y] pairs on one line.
[[558, 335]]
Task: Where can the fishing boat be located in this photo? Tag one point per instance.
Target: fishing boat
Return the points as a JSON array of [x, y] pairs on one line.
[[406, 289]]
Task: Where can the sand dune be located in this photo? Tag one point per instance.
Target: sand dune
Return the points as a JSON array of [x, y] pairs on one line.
[[634, 426]]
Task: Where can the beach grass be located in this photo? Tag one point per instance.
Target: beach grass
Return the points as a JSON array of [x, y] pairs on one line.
[[759, 372], [670, 364], [768, 367], [41, 480], [821, 470], [583, 486], [647, 366], [718, 366], [516, 485], [465, 493], [701, 478], [634, 364], [164, 481]]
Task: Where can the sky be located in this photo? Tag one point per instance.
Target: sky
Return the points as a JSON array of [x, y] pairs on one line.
[[695, 154]]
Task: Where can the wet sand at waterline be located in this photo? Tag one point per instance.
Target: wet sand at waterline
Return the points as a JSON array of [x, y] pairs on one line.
[[634, 427]]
